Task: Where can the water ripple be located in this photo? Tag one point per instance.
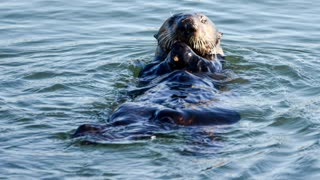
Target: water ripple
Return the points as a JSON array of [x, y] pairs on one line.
[[65, 63]]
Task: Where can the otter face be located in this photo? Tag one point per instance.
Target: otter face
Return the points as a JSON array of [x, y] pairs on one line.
[[196, 30]]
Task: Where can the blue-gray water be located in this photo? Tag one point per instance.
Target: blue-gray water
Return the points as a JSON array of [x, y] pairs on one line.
[[65, 63]]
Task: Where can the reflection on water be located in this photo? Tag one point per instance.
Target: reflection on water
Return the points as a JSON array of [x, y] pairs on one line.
[[63, 64]]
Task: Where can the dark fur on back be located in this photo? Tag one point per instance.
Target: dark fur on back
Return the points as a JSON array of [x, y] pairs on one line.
[[180, 90]]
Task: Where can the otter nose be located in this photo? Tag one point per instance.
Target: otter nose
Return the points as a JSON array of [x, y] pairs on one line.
[[191, 27], [189, 24]]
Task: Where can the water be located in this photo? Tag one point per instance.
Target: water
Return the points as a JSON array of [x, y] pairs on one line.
[[65, 63]]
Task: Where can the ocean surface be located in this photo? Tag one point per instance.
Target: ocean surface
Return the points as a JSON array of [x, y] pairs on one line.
[[66, 63]]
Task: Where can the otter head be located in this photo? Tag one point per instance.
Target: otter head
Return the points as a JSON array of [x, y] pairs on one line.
[[196, 30]]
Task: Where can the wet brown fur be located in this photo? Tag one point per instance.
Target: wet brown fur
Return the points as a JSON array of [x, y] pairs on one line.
[[196, 30]]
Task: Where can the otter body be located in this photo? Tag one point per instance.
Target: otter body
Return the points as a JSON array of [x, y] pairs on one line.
[[178, 90]]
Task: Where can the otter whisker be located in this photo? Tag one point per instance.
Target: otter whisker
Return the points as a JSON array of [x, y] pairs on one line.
[[167, 39], [164, 39]]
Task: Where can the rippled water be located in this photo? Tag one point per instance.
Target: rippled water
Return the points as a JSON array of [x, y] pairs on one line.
[[66, 63]]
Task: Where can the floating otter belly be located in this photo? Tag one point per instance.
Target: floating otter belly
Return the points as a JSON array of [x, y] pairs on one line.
[[179, 90]]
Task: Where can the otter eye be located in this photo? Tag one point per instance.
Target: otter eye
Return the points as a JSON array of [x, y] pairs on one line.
[[203, 19]]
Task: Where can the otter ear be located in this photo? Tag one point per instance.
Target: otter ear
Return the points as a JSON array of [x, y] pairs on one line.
[[156, 36], [220, 34]]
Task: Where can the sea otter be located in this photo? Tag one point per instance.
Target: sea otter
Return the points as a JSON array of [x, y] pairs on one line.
[[196, 30], [179, 90]]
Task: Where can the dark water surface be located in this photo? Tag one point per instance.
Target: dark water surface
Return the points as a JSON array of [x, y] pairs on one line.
[[65, 63]]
